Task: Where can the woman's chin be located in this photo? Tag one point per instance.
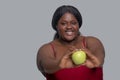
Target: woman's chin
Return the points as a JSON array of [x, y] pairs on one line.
[[69, 39]]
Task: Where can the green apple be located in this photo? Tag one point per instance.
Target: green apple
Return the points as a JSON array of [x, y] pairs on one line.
[[79, 57]]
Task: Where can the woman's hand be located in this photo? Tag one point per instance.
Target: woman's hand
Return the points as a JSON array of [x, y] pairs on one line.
[[66, 61], [91, 61]]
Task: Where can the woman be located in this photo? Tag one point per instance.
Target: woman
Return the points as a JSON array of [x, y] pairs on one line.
[[54, 58]]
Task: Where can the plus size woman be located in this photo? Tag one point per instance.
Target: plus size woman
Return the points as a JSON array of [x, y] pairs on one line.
[[54, 58]]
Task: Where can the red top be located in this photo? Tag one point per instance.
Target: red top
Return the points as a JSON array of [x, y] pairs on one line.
[[77, 73]]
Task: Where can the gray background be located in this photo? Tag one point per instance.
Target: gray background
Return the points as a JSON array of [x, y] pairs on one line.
[[26, 24]]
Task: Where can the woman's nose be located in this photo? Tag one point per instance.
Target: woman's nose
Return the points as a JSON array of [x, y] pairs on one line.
[[69, 26]]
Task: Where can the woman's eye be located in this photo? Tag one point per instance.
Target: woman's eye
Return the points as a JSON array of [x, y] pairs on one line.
[[63, 23], [74, 23]]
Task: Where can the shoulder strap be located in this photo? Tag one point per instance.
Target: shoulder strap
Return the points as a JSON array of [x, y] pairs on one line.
[[53, 49], [84, 42]]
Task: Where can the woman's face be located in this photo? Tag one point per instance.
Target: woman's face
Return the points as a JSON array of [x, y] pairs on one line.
[[68, 27]]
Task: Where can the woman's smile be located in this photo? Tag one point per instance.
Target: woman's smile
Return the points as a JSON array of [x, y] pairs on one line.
[[69, 32]]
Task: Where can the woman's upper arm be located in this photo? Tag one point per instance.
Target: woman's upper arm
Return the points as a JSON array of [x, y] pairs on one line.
[[40, 55], [45, 59], [97, 48]]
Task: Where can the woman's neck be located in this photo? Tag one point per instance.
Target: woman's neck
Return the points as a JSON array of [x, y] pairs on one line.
[[69, 43]]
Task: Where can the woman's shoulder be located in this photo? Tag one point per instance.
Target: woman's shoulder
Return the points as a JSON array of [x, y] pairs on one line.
[[43, 49], [45, 46], [94, 43], [92, 40]]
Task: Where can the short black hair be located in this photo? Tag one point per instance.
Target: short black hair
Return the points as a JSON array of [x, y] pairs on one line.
[[60, 11]]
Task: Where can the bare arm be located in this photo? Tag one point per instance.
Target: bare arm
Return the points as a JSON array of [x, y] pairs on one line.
[[39, 62], [46, 62], [95, 52]]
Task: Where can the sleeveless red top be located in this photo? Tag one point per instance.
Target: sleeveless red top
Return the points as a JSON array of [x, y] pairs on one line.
[[77, 73]]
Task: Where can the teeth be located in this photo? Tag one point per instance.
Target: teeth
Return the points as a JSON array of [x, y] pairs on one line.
[[69, 33]]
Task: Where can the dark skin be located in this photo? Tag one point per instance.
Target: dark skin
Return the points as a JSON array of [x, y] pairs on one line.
[[68, 42]]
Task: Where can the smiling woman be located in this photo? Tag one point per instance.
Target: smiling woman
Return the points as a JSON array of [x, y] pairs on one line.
[[54, 59], [68, 27]]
